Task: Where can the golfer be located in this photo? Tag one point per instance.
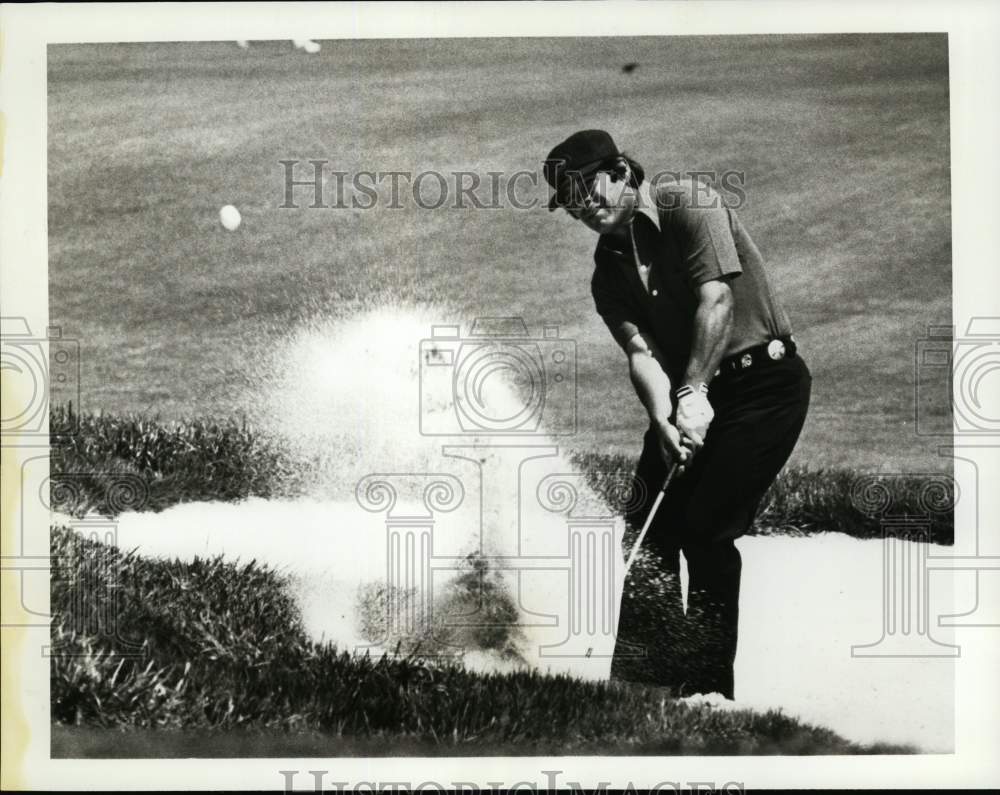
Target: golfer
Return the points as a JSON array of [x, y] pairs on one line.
[[683, 290]]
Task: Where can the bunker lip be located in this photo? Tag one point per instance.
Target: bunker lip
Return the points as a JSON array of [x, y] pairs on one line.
[[797, 658]]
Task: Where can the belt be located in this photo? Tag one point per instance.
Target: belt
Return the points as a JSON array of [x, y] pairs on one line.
[[759, 356]]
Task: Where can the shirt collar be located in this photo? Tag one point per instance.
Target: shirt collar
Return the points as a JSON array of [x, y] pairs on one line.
[[646, 206]]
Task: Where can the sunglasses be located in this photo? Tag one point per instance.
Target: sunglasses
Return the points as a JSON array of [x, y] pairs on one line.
[[577, 198]]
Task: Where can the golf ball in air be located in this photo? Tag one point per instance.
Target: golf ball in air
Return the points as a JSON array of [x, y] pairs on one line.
[[230, 217]]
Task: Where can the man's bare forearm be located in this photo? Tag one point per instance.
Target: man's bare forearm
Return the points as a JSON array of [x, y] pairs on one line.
[[653, 388], [713, 323], [651, 385]]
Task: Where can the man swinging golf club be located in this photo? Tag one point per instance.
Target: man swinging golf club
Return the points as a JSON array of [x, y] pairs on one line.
[[682, 288]]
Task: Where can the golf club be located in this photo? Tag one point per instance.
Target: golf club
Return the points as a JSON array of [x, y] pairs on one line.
[[649, 519]]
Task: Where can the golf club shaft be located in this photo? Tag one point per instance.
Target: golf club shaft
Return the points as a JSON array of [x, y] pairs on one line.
[[649, 519]]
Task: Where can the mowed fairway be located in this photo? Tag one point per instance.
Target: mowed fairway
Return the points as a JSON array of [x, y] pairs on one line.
[[844, 142]]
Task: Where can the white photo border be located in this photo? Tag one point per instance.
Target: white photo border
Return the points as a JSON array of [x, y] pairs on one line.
[[974, 63]]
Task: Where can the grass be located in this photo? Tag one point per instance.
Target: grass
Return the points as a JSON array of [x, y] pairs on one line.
[[843, 141], [132, 462], [219, 649], [110, 463]]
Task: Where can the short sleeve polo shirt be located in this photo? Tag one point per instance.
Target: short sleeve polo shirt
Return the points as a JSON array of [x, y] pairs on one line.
[[686, 236]]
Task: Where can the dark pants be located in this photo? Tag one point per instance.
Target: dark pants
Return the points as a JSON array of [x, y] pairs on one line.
[[759, 414]]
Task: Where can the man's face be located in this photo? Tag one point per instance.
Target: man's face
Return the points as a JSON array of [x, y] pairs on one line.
[[605, 202]]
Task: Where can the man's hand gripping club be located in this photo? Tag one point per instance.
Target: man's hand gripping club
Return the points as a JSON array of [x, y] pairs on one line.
[[694, 414]]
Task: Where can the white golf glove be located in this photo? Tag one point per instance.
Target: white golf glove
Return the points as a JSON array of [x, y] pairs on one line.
[[694, 413]]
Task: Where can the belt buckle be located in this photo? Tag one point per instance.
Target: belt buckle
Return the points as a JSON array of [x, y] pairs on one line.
[[776, 349]]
